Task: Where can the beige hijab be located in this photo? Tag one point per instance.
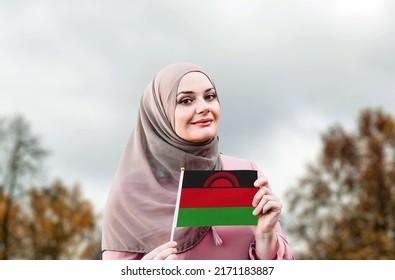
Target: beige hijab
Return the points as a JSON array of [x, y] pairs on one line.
[[139, 212]]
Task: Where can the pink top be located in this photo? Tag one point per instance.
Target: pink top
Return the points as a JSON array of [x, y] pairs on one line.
[[222, 242]]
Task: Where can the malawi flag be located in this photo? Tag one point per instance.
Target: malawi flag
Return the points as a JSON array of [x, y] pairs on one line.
[[210, 198]]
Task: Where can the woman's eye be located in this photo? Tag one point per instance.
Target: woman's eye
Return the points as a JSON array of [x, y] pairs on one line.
[[211, 96], [185, 101]]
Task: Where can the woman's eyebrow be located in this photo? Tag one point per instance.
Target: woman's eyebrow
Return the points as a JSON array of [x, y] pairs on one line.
[[192, 92], [186, 92]]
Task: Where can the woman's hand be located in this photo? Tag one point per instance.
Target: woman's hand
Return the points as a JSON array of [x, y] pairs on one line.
[[267, 208], [166, 251]]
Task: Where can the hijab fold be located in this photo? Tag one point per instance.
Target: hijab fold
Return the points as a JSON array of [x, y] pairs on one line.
[[138, 216]]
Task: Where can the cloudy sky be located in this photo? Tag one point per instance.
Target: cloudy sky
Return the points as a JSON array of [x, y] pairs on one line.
[[285, 71]]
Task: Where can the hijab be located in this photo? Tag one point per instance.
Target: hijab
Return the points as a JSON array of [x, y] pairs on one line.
[[140, 207]]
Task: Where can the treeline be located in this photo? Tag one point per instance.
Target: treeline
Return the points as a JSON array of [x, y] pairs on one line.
[[344, 206], [40, 222]]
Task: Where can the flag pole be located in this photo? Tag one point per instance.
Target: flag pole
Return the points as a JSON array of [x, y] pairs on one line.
[[177, 204]]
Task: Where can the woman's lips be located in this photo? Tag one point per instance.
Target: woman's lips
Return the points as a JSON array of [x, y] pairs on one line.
[[203, 122]]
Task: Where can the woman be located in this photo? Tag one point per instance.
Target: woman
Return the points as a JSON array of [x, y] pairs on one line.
[[177, 127]]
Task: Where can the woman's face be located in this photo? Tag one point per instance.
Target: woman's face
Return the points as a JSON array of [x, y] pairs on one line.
[[197, 109]]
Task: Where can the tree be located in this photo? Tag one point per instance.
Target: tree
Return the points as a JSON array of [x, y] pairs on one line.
[[345, 204], [51, 222], [21, 158], [61, 224]]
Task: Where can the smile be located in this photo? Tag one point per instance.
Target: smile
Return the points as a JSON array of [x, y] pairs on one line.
[[203, 122]]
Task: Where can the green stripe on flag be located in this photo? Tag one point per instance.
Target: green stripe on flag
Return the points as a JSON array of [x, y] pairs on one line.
[[222, 216]]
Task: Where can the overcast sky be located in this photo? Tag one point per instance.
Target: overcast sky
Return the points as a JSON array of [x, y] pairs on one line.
[[285, 71]]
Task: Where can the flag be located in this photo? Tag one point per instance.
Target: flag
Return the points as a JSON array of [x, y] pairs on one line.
[[209, 198]]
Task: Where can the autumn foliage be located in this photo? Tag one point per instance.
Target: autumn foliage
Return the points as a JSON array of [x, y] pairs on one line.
[[61, 224], [56, 223], [46, 222], [344, 207]]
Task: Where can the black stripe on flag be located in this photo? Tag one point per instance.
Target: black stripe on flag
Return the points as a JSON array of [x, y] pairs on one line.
[[200, 178]]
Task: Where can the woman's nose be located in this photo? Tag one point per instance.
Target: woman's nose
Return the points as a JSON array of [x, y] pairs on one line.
[[202, 107]]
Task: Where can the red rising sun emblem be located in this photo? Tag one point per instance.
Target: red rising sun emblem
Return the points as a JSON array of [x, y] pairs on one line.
[[222, 179]]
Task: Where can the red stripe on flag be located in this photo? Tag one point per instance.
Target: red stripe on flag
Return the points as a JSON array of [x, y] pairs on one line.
[[217, 197]]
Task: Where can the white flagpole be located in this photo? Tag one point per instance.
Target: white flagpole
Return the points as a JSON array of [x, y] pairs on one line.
[[177, 204]]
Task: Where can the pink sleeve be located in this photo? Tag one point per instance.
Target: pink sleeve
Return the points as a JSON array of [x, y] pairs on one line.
[[284, 252], [118, 255]]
